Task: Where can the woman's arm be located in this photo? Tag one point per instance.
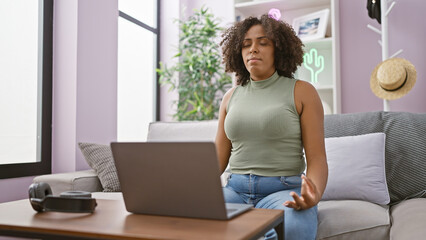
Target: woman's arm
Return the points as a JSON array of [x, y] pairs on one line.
[[223, 144], [309, 107]]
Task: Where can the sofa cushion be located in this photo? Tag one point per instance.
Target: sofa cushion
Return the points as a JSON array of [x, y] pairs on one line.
[[182, 131], [408, 219], [86, 180], [99, 157], [352, 219], [405, 145], [356, 168]]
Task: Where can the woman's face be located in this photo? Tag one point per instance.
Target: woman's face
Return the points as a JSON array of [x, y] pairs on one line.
[[258, 53]]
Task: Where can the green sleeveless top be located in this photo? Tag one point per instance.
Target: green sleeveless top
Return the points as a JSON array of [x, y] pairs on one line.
[[264, 128]]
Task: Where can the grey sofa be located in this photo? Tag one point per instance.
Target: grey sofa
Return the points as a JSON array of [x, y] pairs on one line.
[[405, 159]]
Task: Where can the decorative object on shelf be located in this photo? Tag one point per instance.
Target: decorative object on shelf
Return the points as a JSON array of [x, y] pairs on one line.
[[374, 11], [199, 76], [314, 63], [393, 78], [311, 26], [274, 13], [384, 42]]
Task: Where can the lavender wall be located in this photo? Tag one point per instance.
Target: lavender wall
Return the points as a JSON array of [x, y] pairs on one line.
[[360, 53], [14, 188], [64, 85], [85, 79], [96, 112], [169, 40]]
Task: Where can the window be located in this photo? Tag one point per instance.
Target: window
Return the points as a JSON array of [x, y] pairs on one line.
[[137, 60], [25, 87]]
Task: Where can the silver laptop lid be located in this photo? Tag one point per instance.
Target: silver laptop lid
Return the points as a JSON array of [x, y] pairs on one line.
[[170, 178]]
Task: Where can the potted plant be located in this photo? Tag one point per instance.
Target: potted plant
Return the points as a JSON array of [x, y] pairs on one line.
[[199, 77]]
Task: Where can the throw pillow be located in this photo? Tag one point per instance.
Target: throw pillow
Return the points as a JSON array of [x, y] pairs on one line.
[[99, 157], [356, 168]]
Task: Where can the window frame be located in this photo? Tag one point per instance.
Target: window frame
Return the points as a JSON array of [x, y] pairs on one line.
[[158, 85], [44, 165]]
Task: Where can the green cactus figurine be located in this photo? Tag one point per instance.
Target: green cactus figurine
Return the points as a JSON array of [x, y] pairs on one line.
[[314, 63]]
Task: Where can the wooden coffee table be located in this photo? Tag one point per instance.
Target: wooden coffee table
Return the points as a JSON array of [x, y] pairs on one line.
[[112, 221]]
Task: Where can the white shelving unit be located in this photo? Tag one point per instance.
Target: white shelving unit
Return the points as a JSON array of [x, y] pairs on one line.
[[328, 85]]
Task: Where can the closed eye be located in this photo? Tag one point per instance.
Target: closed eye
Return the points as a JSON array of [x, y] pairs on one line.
[[246, 44]]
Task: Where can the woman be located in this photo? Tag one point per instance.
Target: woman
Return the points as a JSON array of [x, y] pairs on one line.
[[266, 121]]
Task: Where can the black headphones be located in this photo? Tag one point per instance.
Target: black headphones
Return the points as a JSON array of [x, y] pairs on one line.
[[42, 200]]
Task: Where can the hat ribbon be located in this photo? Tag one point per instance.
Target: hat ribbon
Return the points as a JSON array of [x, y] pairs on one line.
[[400, 86]]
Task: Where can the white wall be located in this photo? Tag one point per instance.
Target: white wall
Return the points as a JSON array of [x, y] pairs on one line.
[[222, 9]]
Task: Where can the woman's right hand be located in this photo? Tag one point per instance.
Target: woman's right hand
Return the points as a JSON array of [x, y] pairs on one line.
[[309, 196]]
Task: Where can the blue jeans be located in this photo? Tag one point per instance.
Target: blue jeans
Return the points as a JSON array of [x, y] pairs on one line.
[[272, 192]]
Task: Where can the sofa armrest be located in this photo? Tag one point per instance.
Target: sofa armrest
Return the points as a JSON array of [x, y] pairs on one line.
[[86, 180]]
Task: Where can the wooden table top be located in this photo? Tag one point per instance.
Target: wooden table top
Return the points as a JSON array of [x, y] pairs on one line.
[[111, 220]]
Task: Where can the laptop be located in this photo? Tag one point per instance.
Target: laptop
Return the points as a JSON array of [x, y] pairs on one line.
[[172, 179]]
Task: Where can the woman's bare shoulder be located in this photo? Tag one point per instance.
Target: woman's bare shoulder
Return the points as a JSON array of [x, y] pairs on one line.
[[230, 91], [225, 99], [302, 85], [304, 90], [305, 94], [228, 94]]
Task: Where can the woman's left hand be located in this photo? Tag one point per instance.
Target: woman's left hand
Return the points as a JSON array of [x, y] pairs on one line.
[[310, 196]]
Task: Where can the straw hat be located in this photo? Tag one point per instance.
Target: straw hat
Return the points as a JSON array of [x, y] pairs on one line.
[[393, 78]]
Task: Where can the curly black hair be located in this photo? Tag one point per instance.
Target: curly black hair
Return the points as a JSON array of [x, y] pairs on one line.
[[288, 53]]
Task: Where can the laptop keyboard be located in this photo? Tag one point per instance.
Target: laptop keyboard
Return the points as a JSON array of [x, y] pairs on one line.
[[231, 210]]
